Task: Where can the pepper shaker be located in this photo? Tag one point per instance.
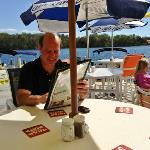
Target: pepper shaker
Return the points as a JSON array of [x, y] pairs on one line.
[[79, 125]]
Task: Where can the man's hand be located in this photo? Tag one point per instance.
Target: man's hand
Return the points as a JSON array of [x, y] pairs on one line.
[[82, 89], [24, 97], [43, 98]]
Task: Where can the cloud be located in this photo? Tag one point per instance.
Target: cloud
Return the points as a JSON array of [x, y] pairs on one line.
[[30, 31], [15, 31], [8, 30]]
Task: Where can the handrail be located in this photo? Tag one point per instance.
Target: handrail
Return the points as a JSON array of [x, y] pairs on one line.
[[13, 52]]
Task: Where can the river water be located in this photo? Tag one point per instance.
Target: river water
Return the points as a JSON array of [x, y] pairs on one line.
[[81, 52]]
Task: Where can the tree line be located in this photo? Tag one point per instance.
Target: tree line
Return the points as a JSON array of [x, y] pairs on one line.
[[27, 41]]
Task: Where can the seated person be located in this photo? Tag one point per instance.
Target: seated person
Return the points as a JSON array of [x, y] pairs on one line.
[[143, 80], [35, 76]]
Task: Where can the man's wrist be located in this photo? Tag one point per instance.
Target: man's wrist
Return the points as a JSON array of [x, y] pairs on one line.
[[80, 98], [38, 99]]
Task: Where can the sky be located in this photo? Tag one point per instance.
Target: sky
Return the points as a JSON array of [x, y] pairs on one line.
[[11, 23]]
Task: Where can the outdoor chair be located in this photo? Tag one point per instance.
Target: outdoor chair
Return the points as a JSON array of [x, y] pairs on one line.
[[104, 84], [128, 68], [130, 63], [14, 79], [103, 88]]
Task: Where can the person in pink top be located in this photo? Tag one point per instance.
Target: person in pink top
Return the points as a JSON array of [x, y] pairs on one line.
[[141, 76], [143, 80]]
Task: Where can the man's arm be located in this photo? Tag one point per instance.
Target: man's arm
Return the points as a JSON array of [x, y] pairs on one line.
[[83, 89], [24, 97]]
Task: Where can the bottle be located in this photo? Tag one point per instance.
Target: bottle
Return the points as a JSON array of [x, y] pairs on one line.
[[1, 66], [19, 62], [79, 125], [11, 64], [67, 129], [92, 68], [24, 62]]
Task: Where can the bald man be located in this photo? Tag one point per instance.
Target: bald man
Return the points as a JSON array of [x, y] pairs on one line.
[[36, 76]]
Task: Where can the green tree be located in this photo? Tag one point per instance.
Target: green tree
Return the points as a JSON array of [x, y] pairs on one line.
[[27, 41]]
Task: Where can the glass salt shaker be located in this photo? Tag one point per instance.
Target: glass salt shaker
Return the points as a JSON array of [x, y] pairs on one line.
[[67, 129]]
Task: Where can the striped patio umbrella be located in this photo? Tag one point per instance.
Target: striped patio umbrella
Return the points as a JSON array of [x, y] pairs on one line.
[[111, 25], [52, 15], [147, 15]]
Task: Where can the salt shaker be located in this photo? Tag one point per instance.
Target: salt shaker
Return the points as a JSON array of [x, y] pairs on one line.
[[79, 125], [67, 129]]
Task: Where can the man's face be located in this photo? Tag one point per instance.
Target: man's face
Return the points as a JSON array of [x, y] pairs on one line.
[[50, 51]]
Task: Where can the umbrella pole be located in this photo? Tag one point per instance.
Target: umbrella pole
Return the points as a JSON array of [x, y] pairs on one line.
[[112, 46], [73, 61], [87, 33]]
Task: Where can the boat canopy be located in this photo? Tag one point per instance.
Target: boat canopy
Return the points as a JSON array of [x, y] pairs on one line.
[[110, 49], [13, 52], [9, 52]]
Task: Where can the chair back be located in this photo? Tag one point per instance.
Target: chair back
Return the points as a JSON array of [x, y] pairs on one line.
[[130, 63], [14, 74]]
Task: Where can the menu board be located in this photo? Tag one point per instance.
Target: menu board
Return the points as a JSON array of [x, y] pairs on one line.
[[60, 92]]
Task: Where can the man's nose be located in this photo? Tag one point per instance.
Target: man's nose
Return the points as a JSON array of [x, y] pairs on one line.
[[51, 53]]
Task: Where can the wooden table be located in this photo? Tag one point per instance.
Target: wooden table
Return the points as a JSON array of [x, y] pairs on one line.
[[107, 129]]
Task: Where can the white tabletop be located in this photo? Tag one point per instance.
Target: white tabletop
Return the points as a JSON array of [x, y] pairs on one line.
[[107, 129], [104, 72]]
